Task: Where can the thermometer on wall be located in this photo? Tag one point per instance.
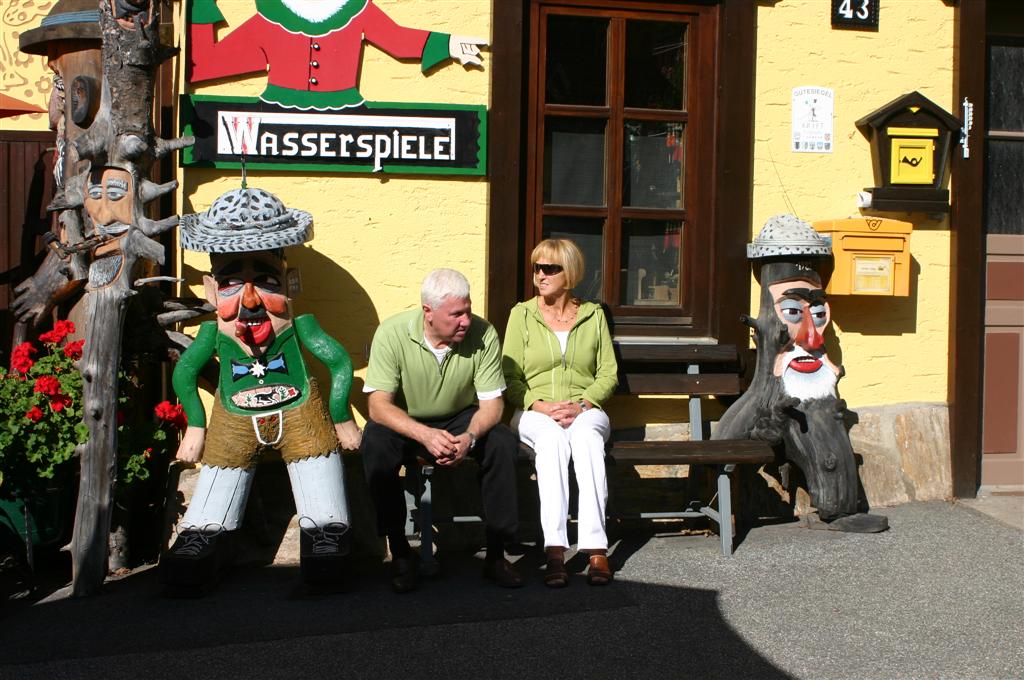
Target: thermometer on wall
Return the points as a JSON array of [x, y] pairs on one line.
[[965, 129]]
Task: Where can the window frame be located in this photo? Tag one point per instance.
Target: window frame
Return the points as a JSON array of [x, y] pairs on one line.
[[731, 65], [691, 313]]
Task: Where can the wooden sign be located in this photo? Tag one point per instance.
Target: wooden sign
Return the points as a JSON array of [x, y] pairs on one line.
[[311, 115], [444, 139]]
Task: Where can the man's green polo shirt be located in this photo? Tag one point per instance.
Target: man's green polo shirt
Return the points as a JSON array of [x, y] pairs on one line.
[[401, 363]]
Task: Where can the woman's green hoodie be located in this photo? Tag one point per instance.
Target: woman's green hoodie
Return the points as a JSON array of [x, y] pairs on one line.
[[535, 368]]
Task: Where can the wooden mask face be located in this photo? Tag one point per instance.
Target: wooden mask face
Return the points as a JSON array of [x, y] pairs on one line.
[[249, 292], [803, 365]]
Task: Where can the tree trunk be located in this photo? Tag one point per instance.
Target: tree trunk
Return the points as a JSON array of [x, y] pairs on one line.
[[106, 308]]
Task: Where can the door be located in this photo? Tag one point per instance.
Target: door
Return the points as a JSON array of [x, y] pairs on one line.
[[1002, 460]]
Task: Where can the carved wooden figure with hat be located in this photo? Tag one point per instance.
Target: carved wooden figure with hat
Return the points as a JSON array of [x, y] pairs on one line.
[[266, 397], [792, 399]]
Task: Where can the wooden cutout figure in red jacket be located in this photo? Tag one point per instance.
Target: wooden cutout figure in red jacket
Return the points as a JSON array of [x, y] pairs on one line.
[[312, 49]]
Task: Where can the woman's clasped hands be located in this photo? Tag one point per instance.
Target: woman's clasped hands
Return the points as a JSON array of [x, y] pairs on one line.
[[562, 412]]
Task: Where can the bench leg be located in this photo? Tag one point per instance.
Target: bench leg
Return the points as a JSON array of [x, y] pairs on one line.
[[428, 565], [725, 509]]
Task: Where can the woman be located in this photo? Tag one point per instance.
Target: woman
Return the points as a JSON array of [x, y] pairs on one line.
[[560, 368]]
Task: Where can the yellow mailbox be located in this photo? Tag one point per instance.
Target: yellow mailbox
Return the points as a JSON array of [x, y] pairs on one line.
[[911, 138], [872, 255]]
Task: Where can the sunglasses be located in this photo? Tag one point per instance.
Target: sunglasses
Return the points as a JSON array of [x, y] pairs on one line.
[[548, 269]]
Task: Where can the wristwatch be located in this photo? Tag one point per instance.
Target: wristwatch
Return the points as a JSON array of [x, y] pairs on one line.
[[583, 405], [472, 439]]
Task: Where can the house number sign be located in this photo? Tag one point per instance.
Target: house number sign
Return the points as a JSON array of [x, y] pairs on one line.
[[855, 14]]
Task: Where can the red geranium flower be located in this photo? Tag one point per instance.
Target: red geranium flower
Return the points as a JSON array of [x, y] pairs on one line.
[[21, 357], [73, 350], [171, 413], [59, 402], [34, 414], [61, 330], [48, 385]]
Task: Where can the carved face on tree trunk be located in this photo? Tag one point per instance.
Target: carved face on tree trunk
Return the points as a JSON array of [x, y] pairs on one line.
[[110, 200], [802, 364], [249, 292], [110, 206]]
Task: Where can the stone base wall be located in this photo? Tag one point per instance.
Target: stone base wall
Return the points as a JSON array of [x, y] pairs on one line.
[[906, 452]]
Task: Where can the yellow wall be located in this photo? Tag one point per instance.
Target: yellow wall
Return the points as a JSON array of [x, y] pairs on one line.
[[894, 349], [23, 76], [375, 237]]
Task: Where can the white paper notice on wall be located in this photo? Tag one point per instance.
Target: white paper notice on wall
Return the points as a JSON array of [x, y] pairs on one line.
[[812, 119]]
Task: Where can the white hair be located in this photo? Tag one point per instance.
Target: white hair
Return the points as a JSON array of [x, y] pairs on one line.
[[443, 283]]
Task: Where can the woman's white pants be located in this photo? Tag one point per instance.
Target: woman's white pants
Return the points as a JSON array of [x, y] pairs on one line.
[[583, 442]]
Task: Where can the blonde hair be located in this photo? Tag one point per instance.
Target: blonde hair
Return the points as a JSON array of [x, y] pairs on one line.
[[564, 252]]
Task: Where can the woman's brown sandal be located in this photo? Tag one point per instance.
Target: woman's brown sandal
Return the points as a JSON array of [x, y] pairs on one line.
[[599, 573], [555, 575]]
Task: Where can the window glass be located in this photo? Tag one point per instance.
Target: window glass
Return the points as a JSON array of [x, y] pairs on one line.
[[577, 52], [649, 273], [1004, 201], [655, 65], [653, 159], [1006, 87], [588, 234], [574, 161]]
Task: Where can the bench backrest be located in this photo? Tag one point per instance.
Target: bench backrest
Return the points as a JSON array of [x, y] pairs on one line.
[[698, 369]]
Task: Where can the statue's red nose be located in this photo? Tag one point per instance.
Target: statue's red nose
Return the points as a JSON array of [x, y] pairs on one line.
[[808, 336], [250, 298]]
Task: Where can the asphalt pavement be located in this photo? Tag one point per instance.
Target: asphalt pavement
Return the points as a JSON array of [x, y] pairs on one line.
[[937, 596]]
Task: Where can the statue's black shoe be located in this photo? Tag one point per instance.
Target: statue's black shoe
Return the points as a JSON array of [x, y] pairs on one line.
[[322, 552], [196, 561]]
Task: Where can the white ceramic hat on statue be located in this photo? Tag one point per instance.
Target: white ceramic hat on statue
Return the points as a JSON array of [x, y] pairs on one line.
[[787, 236], [245, 220]]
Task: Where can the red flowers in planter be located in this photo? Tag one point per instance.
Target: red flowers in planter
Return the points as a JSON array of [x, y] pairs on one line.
[[73, 350], [21, 357], [35, 414], [171, 413], [61, 330], [48, 385]]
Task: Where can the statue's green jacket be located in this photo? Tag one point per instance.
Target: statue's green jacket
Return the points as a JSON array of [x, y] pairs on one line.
[[304, 332]]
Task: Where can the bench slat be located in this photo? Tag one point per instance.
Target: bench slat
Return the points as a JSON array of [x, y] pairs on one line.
[[680, 383], [704, 452], [685, 354]]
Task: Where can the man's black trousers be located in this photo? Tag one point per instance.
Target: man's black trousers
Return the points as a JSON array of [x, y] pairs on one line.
[[384, 452]]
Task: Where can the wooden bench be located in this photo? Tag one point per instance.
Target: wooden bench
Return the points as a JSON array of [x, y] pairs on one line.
[[697, 371]]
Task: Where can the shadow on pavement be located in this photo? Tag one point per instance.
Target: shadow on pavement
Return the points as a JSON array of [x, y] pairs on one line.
[[622, 630]]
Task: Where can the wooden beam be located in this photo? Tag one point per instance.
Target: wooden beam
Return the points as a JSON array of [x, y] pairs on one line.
[[967, 257], [505, 161]]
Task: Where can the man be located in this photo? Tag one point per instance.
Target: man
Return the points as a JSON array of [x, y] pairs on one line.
[[266, 397], [435, 385]]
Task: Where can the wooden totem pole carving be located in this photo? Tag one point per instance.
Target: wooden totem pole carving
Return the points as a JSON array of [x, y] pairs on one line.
[[70, 39], [792, 400], [118, 150]]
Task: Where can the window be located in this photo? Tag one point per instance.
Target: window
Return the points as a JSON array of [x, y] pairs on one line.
[[620, 147]]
